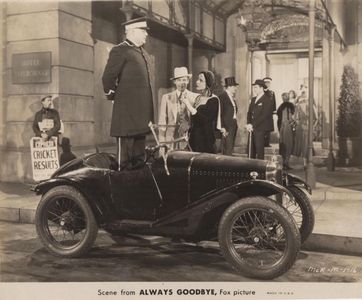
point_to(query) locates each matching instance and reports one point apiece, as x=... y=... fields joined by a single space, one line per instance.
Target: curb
x=315 y=243
x=333 y=244
x=335 y=194
x=17 y=215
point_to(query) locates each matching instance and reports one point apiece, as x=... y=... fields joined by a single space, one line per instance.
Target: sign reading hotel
x=32 y=67
x=44 y=157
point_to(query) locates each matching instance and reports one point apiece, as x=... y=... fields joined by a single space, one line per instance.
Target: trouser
x=229 y=141
x=267 y=138
x=257 y=144
x=129 y=148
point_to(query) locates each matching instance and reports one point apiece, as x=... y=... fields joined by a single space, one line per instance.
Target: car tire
x=259 y=240
x=63 y=212
x=306 y=225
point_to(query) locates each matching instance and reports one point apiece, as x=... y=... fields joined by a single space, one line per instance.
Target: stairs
x=319 y=158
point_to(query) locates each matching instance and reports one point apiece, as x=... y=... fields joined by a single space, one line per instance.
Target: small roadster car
x=258 y=214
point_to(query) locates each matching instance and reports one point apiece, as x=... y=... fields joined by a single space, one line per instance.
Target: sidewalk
x=337 y=202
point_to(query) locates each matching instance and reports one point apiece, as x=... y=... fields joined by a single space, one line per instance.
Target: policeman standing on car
x=127 y=81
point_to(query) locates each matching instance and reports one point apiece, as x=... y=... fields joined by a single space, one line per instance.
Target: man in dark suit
x=271 y=95
x=127 y=81
x=228 y=115
x=258 y=119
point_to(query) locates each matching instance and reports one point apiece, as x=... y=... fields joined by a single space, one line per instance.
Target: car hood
x=199 y=163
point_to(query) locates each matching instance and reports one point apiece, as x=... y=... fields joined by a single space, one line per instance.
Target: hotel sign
x=31 y=67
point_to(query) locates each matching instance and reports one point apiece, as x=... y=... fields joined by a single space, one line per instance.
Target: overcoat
x=227 y=112
x=127 y=72
x=259 y=113
x=51 y=114
x=228 y=122
x=273 y=108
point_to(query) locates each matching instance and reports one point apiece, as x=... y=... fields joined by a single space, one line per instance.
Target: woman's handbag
x=293 y=125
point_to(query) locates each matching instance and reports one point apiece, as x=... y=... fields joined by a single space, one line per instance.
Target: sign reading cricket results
x=44 y=157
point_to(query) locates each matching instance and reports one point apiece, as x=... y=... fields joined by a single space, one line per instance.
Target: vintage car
x=258 y=214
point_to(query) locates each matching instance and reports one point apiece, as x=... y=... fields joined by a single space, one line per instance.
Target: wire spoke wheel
x=259 y=238
x=65 y=223
x=301 y=209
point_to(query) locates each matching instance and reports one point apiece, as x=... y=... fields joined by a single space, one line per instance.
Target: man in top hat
x=127 y=81
x=229 y=110
x=271 y=95
x=46 y=121
x=258 y=119
x=173 y=111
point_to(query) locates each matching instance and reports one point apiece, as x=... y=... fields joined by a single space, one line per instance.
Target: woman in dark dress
x=205 y=115
x=286 y=128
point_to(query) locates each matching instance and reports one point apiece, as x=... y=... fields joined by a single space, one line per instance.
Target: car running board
x=129 y=224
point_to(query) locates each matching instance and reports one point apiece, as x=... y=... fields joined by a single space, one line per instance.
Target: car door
x=135 y=194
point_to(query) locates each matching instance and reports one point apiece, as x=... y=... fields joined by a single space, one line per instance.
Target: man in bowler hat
x=258 y=119
x=229 y=110
x=271 y=95
x=127 y=81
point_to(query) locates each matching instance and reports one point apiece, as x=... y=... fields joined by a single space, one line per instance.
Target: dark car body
x=236 y=201
x=198 y=188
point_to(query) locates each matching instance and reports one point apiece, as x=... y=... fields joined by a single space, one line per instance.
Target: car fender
x=203 y=213
x=98 y=207
x=293 y=180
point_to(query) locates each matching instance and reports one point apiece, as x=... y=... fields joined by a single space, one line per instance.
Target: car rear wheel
x=301 y=210
x=65 y=222
x=259 y=238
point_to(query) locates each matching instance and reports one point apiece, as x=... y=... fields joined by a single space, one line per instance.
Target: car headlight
x=254 y=175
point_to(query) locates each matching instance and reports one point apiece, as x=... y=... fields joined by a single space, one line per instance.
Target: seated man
x=46 y=122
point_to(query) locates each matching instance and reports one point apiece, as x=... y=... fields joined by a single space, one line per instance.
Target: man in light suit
x=258 y=119
x=228 y=115
x=174 y=117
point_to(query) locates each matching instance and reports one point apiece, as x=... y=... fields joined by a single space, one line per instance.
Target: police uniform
x=126 y=80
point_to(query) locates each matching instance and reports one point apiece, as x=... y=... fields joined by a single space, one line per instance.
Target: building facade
x=61 y=48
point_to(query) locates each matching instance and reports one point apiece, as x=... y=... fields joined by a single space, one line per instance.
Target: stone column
x=330 y=159
x=310 y=172
x=325 y=89
x=62 y=28
x=190 y=40
x=2 y=77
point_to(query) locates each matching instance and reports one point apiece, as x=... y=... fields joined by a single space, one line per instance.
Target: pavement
x=337 y=202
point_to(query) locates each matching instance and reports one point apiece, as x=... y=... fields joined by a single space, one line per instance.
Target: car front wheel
x=302 y=211
x=259 y=238
x=65 y=222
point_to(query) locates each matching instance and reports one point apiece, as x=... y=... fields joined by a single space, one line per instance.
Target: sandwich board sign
x=44 y=157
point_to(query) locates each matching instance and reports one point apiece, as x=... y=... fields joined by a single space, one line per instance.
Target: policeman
x=126 y=81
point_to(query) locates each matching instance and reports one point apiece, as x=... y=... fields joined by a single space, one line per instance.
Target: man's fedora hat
x=267 y=79
x=259 y=82
x=140 y=23
x=180 y=72
x=230 y=81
